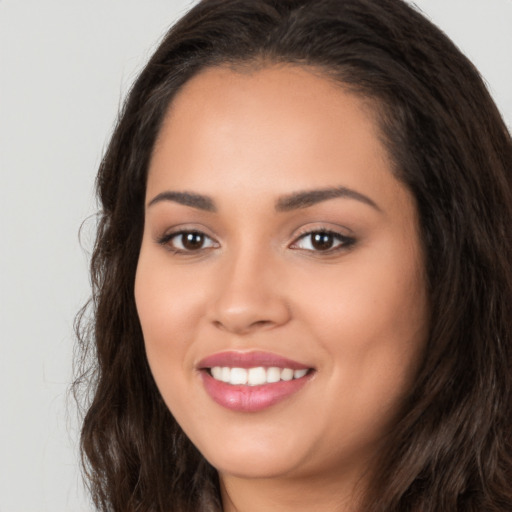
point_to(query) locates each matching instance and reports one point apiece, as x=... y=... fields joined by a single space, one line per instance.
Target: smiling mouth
x=252 y=381
x=256 y=376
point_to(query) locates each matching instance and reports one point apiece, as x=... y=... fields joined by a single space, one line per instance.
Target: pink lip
x=250 y=398
x=249 y=360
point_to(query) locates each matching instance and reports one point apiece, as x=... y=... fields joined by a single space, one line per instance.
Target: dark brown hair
x=451 y=448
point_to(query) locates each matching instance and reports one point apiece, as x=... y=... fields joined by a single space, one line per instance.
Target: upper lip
x=234 y=359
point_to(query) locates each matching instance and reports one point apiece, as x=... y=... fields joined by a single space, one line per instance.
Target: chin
x=254 y=460
x=259 y=466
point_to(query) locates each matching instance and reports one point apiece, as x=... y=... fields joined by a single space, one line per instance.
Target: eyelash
x=167 y=239
x=344 y=242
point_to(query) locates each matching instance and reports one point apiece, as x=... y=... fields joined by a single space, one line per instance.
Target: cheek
x=372 y=325
x=170 y=307
x=168 y=313
x=162 y=317
x=377 y=297
x=167 y=297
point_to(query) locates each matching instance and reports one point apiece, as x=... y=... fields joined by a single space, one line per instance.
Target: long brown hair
x=451 y=448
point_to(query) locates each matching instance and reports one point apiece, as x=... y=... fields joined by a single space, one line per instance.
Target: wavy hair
x=451 y=447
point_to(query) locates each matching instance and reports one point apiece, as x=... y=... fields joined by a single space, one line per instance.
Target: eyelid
x=342 y=241
x=345 y=241
x=169 y=235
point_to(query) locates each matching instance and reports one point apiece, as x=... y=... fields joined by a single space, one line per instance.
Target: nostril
x=250 y=326
x=261 y=323
x=248 y=313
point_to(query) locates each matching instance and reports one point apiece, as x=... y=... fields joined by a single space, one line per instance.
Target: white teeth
x=238 y=376
x=217 y=372
x=286 y=374
x=255 y=376
x=226 y=373
x=273 y=374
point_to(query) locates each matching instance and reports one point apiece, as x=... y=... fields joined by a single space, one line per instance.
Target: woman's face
x=280 y=284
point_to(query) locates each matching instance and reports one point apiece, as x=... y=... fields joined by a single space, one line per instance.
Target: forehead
x=272 y=130
x=272 y=95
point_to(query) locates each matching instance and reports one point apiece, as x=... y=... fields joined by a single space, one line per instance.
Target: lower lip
x=251 y=398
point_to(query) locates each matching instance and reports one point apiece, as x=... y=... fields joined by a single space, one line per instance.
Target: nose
x=249 y=296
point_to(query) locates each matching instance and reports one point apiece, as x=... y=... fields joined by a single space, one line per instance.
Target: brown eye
x=323 y=241
x=187 y=241
x=192 y=241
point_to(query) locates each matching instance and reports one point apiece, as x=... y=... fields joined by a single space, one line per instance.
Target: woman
x=302 y=281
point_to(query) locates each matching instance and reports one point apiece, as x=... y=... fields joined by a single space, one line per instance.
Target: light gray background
x=64 y=65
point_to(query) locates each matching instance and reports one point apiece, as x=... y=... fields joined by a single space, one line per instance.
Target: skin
x=356 y=313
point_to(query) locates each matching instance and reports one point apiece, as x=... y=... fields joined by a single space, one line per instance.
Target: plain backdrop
x=64 y=67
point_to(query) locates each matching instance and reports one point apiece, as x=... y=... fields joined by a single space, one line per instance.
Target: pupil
x=192 y=241
x=322 y=241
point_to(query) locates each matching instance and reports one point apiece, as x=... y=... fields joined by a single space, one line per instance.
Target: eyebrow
x=294 y=201
x=187 y=199
x=308 y=198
